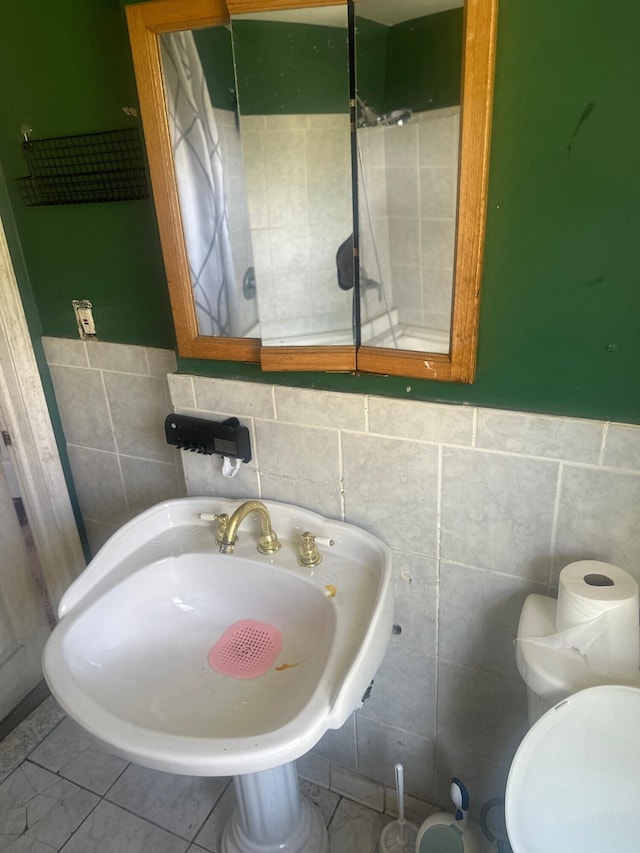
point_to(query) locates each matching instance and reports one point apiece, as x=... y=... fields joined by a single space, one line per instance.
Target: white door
x=23 y=413
x=24 y=626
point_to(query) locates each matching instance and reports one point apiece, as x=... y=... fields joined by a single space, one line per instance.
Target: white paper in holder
x=597 y=615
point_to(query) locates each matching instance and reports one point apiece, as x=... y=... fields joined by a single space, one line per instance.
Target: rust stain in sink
x=284 y=666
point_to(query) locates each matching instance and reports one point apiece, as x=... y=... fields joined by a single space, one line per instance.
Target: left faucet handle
x=222 y=519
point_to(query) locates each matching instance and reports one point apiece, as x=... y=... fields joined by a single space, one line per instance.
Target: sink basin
x=130 y=659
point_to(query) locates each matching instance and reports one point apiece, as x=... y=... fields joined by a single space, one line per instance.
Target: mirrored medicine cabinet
x=319 y=171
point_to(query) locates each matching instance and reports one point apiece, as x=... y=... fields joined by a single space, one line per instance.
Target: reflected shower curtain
x=199 y=174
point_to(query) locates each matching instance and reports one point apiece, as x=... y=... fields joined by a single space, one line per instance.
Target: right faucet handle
x=308 y=554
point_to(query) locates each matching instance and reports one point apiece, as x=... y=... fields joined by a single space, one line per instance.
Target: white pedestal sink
x=130 y=657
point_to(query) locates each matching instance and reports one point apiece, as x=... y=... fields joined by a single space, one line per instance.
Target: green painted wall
x=560 y=311
x=65 y=69
x=215 y=49
x=561 y=301
x=372 y=50
x=424 y=65
x=415 y=64
x=291 y=68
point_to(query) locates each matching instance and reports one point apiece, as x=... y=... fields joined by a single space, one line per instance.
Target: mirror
x=408 y=125
x=388 y=294
x=259 y=121
x=201 y=107
x=292 y=73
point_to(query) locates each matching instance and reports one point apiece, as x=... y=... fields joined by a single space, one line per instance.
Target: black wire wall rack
x=85 y=168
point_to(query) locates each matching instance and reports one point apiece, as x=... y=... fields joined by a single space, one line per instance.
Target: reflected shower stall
x=407 y=209
x=407 y=131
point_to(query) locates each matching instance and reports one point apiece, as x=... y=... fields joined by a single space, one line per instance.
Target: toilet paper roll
x=589 y=588
x=597 y=615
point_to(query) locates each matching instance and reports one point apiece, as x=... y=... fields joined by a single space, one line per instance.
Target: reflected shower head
x=369 y=118
x=396 y=118
x=366 y=116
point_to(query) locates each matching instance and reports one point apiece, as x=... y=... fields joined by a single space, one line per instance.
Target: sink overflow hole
x=247 y=649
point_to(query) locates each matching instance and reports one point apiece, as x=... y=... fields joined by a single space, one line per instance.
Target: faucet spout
x=268 y=542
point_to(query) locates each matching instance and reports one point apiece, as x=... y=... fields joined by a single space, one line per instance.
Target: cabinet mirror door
x=292 y=73
x=424 y=86
x=271 y=265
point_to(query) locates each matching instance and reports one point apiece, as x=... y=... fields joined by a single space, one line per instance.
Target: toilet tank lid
x=574 y=780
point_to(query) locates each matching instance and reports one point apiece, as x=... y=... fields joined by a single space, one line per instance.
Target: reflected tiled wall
x=298 y=173
x=479 y=506
x=410 y=181
x=113 y=400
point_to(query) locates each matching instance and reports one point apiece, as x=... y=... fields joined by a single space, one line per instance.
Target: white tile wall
x=112 y=400
x=480 y=508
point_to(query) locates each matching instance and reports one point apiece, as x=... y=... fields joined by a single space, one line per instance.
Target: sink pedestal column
x=272 y=815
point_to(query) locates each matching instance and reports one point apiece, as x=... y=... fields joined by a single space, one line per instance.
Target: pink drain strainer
x=247 y=649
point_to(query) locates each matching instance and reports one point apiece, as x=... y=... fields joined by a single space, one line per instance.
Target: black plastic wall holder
x=226 y=438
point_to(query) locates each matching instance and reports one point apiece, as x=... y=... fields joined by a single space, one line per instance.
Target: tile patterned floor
x=60 y=793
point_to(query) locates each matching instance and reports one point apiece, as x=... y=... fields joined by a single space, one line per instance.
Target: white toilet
x=574 y=783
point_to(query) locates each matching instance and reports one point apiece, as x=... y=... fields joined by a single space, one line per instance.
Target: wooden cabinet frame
x=148 y=20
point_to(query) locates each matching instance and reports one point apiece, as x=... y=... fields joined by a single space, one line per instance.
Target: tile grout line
x=104 y=797
x=341 y=485
x=603 y=443
x=439 y=487
x=554 y=526
x=434 y=771
x=210 y=813
x=82 y=822
x=122 y=455
x=115 y=441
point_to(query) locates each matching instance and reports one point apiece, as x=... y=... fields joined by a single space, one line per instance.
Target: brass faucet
x=268 y=543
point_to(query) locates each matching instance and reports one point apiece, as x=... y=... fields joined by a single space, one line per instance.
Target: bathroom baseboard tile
x=124 y=358
x=570 y=439
x=181 y=391
x=161 y=361
x=69 y=351
x=355 y=828
x=326 y=801
x=356 y=787
x=415 y=810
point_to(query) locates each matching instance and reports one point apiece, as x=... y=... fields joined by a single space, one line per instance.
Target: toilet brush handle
x=399 y=770
x=400 y=791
